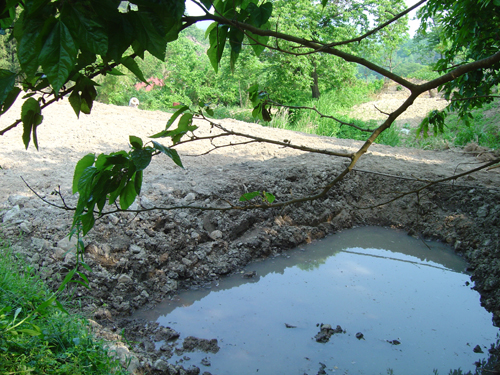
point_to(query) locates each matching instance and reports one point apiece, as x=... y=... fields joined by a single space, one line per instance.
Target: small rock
x=161 y=365
x=393 y=342
x=113 y=219
x=124 y=279
x=477 y=349
x=146 y=203
x=481 y=212
x=190 y=197
x=186 y=261
x=40 y=244
x=216 y=234
x=360 y=336
x=249 y=275
x=12 y=213
x=67 y=244
x=24 y=227
x=289 y=326
x=135 y=249
x=59 y=253
x=206 y=362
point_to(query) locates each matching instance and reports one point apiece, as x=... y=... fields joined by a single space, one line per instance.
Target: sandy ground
x=64 y=139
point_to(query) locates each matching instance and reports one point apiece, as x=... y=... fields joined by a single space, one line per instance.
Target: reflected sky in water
x=377 y=281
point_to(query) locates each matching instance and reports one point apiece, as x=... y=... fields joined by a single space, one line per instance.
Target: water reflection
x=382 y=283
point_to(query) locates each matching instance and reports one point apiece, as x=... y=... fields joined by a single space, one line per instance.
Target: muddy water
x=378 y=282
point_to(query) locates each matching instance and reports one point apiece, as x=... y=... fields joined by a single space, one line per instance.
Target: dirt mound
x=138 y=260
x=390 y=98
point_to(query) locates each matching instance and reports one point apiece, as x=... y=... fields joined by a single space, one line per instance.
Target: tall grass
x=43 y=341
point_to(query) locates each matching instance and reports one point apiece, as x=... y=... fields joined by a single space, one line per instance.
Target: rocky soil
x=138 y=260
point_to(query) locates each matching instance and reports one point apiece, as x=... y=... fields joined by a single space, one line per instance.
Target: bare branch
x=227 y=132
x=378 y=28
x=321 y=115
x=426 y=186
x=475 y=97
x=384 y=113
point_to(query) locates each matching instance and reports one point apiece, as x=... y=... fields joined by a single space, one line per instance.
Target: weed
x=42 y=340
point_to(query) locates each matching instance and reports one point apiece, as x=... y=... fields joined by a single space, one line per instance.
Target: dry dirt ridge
x=139 y=260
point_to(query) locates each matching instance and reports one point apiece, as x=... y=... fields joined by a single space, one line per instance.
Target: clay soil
x=138 y=260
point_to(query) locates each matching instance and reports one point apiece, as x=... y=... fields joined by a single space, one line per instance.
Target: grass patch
x=46 y=341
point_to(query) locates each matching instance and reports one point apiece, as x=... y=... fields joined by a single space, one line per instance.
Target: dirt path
x=138 y=260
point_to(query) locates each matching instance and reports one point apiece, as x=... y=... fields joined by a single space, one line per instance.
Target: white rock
x=40 y=244
x=25 y=228
x=59 y=253
x=190 y=197
x=216 y=234
x=124 y=279
x=68 y=244
x=12 y=213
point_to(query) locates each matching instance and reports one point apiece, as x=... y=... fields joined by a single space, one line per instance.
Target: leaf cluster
x=117 y=176
x=469 y=30
x=65 y=43
x=244 y=11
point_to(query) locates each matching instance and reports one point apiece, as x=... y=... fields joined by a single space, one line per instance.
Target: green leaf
x=115 y=72
x=258 y=43
x=29 y=44
x=270 y=198
x=136 y=142
x=127 y=195
x=76 y=102
x=116 y=193
x=131 y=65
x=11 y=98
x=30 y=332
x=138 y=181
x=58 y=55
x=31 y=118
x=171 y=153
x=259 y=15
x=85 y=162
x=88 y=96
x=61 y=307
x=91 y=34
x=88 y=221
x=248 y=196
x=85 y=182
x=171 y=120
x=43 y=306
x=141 y=158
x=236 y=37
x=149 y=33
x=217 y=43
x=66 y=280
x=7 y=81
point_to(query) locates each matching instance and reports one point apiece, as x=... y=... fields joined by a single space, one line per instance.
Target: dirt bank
x=138 y=260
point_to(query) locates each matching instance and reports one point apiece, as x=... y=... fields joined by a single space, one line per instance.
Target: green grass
x=43 y=341
x=482 y=129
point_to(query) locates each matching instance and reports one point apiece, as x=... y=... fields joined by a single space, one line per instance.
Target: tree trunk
x=315 y=86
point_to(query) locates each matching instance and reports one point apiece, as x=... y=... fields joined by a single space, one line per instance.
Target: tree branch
x=378 y=28
x=416 y=191
x=321 y=115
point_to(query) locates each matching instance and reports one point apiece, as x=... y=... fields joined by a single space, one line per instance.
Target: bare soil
x=138 y=260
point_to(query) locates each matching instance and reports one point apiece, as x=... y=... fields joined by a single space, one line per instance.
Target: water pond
x=401 y=305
